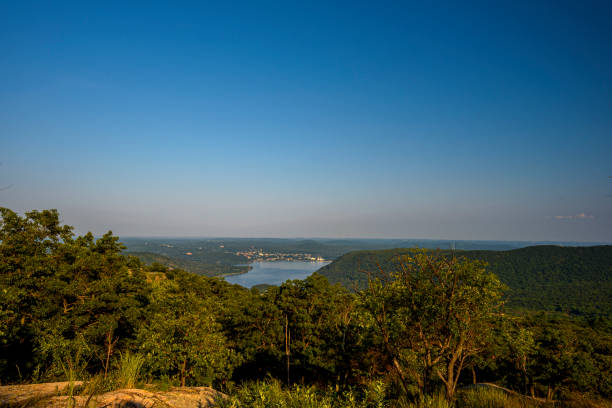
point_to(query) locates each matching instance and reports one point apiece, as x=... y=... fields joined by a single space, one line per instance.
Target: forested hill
x=576 y=280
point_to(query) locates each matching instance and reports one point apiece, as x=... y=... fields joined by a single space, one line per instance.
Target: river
x=275 y=273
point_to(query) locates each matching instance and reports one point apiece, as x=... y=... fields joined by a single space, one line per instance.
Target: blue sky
x=458 y=120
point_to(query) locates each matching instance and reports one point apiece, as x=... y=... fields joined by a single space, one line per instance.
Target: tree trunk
x=450 y=381
x=401 y=375
x=183 y=372
x=524 y=370
x=424 y=384
x=455 y=365
x=109 y=351
x=474 y=376
x=453 y=371
x=449 y=386
x=287 y=349
x=549 y=394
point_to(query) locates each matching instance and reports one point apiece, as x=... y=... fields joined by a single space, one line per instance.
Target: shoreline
x=250 y=267
x=223 y=275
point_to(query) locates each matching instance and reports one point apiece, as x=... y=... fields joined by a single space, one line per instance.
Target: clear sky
x=458 y=120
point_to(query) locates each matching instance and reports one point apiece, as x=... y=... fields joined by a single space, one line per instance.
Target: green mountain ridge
x=574 y=280
x=188 y=263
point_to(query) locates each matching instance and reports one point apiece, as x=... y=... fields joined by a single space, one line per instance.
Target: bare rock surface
x=46 y=396
x=20 y=394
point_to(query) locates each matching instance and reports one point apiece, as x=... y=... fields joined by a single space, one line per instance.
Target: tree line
x=76 y=306
x=571 y=280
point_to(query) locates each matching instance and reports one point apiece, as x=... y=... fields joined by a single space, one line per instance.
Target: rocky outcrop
x=25 y=394
x=49 y=396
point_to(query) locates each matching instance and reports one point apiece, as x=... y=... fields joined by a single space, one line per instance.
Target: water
x=275 y=273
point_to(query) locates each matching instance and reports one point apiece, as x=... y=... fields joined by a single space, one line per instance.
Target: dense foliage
x=75 y=307
x=434 y=315
x=574 y=280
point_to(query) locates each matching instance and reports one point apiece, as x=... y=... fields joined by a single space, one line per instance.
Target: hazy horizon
x=330 y=238
x=446 y=121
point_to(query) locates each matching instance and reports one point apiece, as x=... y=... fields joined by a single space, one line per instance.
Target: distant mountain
x=575 y=280
x=149 y=258
x=188 y=263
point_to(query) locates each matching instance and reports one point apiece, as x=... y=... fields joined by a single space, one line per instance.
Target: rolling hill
x=574 y=280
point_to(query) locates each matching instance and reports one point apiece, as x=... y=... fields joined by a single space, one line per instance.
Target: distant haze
x=487 y=120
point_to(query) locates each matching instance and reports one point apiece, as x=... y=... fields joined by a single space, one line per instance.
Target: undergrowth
x=271 y=394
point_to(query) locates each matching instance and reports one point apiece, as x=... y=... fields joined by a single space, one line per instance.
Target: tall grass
x=437 y=400
x=484 y=397
x=73 y=366
x=271 y=394
x=128 y=369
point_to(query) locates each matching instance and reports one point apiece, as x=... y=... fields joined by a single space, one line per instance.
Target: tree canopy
x=76 y=306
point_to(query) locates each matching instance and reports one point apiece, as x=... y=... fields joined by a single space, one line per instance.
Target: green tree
x=181 y=337
x=26 y=247
x=97 y=296
x=63 y=296
x=569 y=356
x=253 y=326
x=315 y=317
x=433 y=315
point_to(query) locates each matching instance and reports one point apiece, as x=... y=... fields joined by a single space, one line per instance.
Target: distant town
x=255 y=255
x=259 y=254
